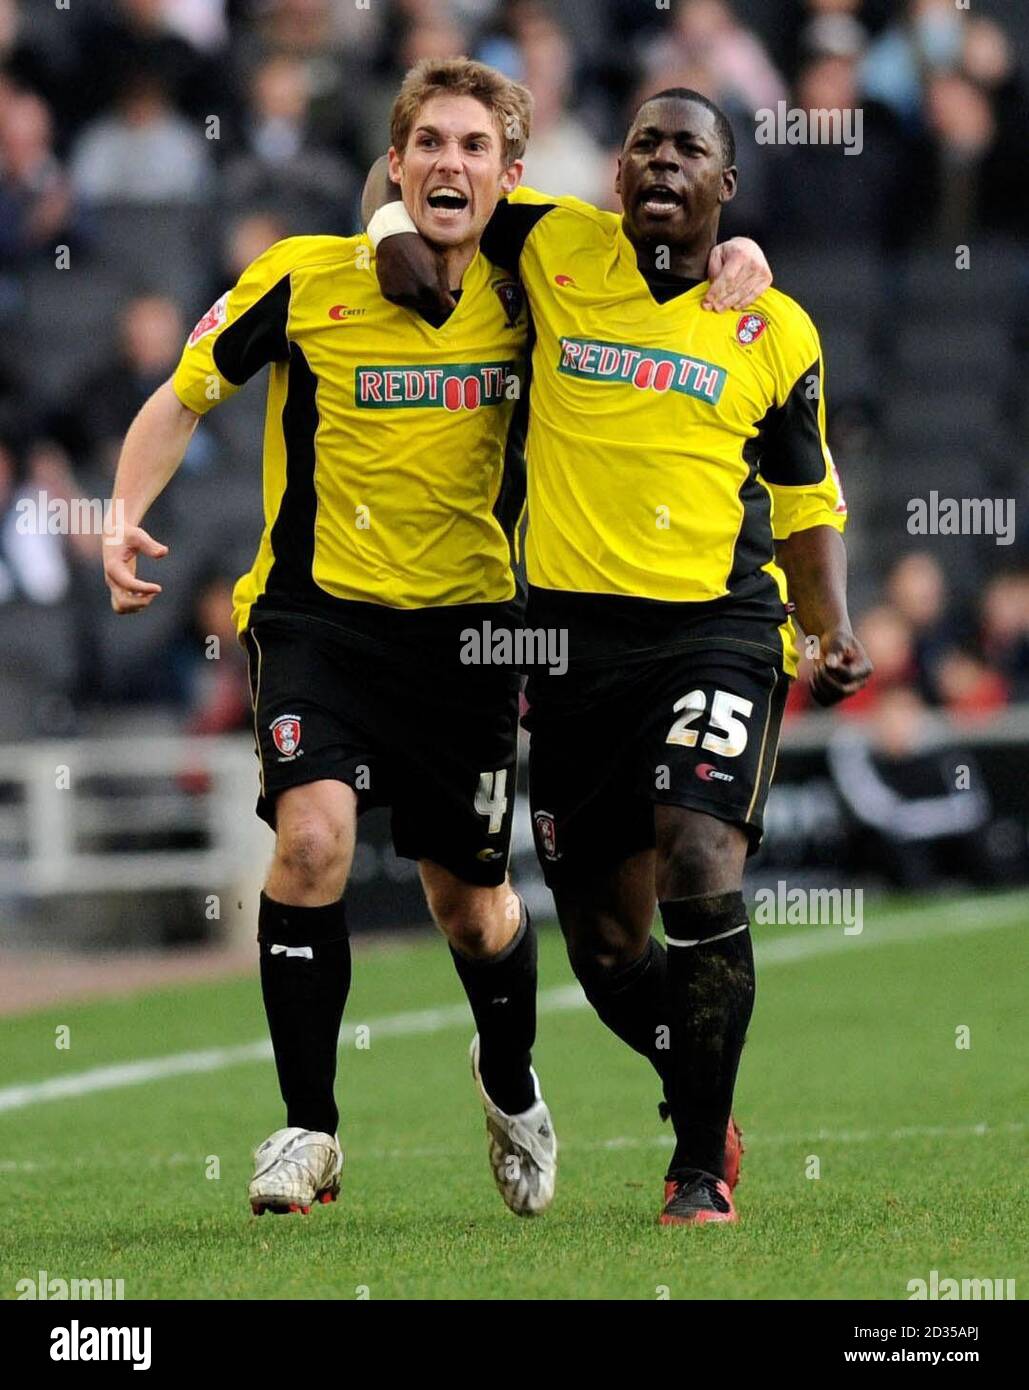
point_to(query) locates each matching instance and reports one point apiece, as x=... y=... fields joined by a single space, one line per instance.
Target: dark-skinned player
x=683 y=509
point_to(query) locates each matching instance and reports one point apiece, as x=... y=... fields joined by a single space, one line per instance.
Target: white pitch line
x=112 y=1078
x=754 y=1139
x=943 y=919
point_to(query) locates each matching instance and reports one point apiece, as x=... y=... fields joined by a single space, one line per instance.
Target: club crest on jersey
x=749 y=329
x=512 y=299
x=213 y=319
x=546 y=833
x=285 y=732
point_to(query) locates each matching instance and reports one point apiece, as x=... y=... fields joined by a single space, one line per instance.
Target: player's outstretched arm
x=815 y=564
x=154 y=447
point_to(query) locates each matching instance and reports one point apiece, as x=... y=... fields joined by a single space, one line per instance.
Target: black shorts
x=698 y=730
x=438 y=747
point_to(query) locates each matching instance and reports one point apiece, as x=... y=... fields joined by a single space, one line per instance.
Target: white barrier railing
x=56 y=797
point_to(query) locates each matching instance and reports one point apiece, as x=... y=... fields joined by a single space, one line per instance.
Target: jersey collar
x=471 y=282
x=627 y=259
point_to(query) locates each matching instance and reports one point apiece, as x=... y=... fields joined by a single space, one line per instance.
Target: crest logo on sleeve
x=749 y=328
x=285 y=732
x=512 y=300
x=212 y=320
x=546 y=833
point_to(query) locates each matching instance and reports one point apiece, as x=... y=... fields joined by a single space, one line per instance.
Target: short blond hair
x=509 y=103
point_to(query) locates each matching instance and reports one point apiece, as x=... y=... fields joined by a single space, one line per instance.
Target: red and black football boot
x=734 y=1149
x=694 y=1197
x=734 y=1152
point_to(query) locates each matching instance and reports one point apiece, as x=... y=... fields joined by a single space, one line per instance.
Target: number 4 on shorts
x=490 y=799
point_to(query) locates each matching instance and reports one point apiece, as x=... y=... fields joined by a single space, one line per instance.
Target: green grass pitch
x=851 y=1061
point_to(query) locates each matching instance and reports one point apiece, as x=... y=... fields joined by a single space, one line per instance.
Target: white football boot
x=522 y=1149
x=294 y=1168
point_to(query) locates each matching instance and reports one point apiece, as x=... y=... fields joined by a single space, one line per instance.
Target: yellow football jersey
x=392 y=460
x=668 y=446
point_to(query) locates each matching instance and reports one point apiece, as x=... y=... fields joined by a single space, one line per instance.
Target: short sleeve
x=513 y=219
x=795 y=460
x=241 y=333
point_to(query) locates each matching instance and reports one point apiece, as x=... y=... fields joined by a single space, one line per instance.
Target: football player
x=392 y=485
x=682 y=506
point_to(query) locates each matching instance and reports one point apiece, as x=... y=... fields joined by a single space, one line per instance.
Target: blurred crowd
x=111 y=99
x=250 y=120
x=933 y=651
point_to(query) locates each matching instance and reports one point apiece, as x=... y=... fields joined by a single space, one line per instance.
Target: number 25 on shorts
x=726 y=732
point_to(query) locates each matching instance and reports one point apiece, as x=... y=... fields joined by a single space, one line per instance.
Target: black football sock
x=631 y=1001
x=305 y=979
x=710 y=1000
x=502 y=992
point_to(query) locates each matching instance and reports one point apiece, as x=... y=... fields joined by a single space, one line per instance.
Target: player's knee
x=595 y=962
x=474 y=922
x=697 y=854
x=471 y=936
x=599 y=944
x=311 y=851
